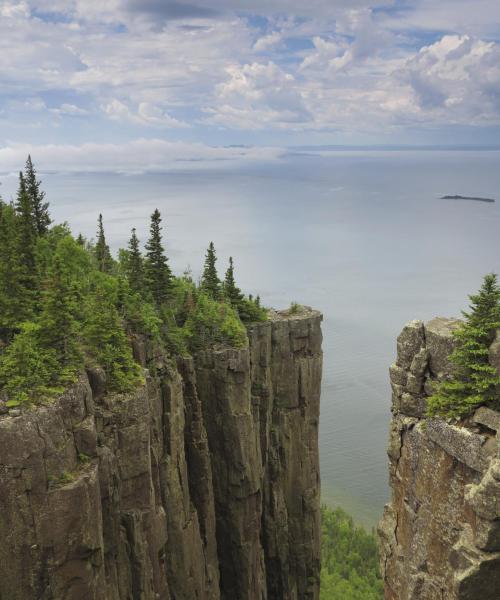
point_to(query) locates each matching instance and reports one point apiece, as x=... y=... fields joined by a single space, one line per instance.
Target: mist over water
x=362 y=236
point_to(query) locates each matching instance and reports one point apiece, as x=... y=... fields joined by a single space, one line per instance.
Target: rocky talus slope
x=203 y=484
x=440 y=535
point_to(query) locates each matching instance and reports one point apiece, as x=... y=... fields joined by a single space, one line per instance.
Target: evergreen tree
x=26 y=247
x=39 y=207
x=475 y=381
x=135 y=265
x=15 y=302
x=80 y=240
x=107 y=341
x=101 y=250
x=231 y=291
x=210 y=281
x=59 y=328
x=157 y=271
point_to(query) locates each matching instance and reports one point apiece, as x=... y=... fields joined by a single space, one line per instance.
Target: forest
x=67 y=304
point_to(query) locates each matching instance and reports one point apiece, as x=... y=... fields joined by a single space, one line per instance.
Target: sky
x=132 y=85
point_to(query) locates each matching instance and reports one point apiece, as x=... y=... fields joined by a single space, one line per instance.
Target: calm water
x=361 y=236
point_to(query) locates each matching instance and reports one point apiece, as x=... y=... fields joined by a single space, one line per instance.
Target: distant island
x=477 y=199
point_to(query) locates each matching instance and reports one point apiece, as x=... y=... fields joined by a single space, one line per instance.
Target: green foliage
x=135 y=265
x=28 y=370
x=101 y=249
x=295 y=309
x=65 y=303
x=158 y=275
x=475 y=382
x=210 y=282
x=349 y=555
x=249 y=310
x=40 y=209
x=105 y=336
x=213 y=323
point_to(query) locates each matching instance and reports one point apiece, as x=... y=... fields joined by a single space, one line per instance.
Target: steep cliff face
x=204 y=483
x=440 y=535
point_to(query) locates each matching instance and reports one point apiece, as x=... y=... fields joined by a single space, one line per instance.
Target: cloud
x=142 y=155
x=322 y=66
x=145 y=114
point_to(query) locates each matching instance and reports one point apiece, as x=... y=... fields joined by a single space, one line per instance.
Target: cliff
x=440 y=534
x=204 y=483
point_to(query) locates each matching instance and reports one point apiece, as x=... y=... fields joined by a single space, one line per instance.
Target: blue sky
x=96 y=84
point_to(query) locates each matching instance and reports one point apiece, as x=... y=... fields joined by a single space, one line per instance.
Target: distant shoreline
x=476 y=198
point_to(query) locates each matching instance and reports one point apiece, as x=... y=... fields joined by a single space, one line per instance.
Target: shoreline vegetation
x=474 y=198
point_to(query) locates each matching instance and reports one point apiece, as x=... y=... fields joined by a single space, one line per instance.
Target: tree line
x=66 y=303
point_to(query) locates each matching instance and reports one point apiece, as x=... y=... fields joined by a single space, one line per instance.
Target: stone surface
x=203 y=484
x=440 y=534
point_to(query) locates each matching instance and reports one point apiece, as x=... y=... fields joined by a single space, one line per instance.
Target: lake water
x=361 y=236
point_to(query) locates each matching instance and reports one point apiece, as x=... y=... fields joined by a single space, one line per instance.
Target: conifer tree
x=59 y=329
x=101 y=250
x=15 y=301
x=39 y=207
x=135 y=264
x=231 y=291
x=210 y=281
x=25 y=246
x=157 y=271
x=475 y=381
x=107 y=341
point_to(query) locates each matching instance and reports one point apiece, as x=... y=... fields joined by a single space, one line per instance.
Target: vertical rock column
x=440 y=534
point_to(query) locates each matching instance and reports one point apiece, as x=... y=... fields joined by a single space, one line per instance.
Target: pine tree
x=101 y=250
x=475 y=382
x=39 y=207
x=135 y=264
x=157 y=271
x=210 y=281
x=231 y=291
x=59 y=329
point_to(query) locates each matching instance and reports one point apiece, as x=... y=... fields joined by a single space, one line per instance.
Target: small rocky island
x=475 y=198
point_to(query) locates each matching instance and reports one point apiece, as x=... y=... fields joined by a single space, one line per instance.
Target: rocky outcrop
x=204 y=483
x=440 y=535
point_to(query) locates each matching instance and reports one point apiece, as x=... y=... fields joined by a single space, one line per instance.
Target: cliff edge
x=440 y=534
x=203 y=483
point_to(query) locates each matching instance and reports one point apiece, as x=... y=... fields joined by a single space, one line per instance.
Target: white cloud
x=324 y=65
x=143 y=155
x=145 y=114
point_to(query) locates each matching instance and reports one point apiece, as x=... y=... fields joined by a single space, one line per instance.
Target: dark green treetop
x=135 y=264
x=101 y=249
x=210 y=281
x=231 y=291
x=59 y=329
x=37 y=196
x=474 y=382
x=157 y=271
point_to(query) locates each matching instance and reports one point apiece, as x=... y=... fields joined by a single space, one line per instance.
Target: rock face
x=440 y=535
x=203 y=484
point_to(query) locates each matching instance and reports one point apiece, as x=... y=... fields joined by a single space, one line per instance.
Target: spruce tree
x=231 y=291
x=210 y=281
x=107 y=341
x=157 y=271
x=59 y=329
x=101 y=250
x=26 y=239
x=474 y=382
x=15 y=300
x=39 y=207
x=135 y=264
